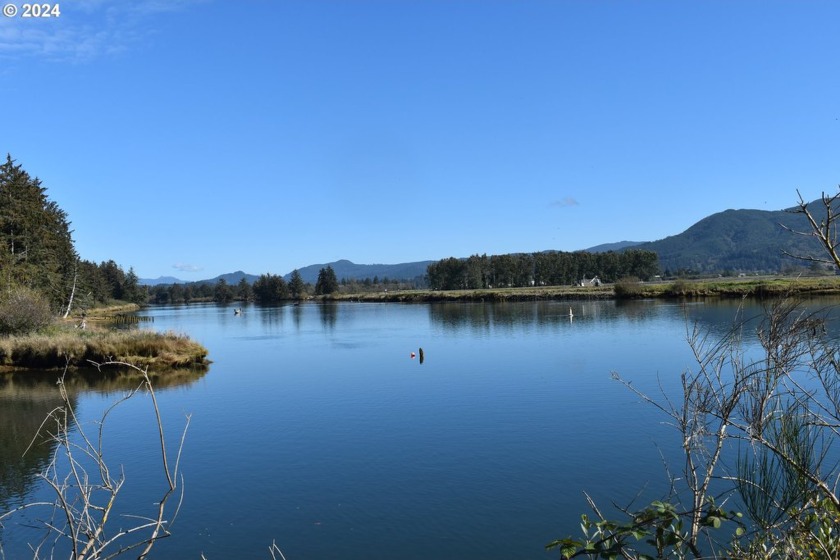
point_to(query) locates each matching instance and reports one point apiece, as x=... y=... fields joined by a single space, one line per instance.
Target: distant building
x=595 y=281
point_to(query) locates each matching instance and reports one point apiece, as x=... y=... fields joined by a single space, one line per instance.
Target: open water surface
x=316 y=429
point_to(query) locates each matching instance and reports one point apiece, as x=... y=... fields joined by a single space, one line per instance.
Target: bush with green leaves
x=628 y=287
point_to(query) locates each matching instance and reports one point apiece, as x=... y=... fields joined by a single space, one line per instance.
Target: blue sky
x=194 y=138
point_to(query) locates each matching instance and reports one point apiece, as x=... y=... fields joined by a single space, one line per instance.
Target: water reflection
x=319 y=428
x=716 y=317
x=28 y=397
x=23 y=407
x=329 y=314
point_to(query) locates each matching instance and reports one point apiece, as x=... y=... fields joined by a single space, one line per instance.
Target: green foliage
x=680 y=288
x=657 y=529
x=23 y=310
x=628 y=287
x=549 y=268
x=327 y=282
x=270 y=288
x=222 y=292
x=297 y=287
x=36 y=247
x=747 y=240
x=244 y=291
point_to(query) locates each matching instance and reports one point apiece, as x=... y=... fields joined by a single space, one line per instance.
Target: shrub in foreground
x=23 y=310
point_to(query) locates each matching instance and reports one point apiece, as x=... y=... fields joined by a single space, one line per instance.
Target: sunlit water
x=316 y=429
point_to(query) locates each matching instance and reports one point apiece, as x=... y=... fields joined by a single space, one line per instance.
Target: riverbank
x=77 y=342
x=760 y=287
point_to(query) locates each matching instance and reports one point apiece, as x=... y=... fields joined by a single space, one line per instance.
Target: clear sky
x=193 y=138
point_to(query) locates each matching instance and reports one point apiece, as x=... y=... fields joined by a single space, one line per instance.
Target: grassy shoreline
x=65 y=344
x=720 y=287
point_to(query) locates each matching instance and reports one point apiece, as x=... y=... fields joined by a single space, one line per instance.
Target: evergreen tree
x=132 y=290
x=270 y=288
x=36 y=246
x=244 y=290
x=327 y=283
x=222 y=292
x=297 y=288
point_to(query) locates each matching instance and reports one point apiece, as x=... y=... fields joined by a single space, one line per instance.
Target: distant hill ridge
x=731 y=240
x=343 y=269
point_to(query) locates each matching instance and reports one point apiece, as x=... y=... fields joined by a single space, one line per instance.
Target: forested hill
x=729 y=241
x=738 y=241
x=352 y=271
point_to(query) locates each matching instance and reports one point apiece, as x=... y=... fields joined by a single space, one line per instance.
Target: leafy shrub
x=23 y=310
x=680 y=288
x=628 y=287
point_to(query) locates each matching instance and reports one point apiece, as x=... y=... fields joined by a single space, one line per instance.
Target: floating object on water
x=412 y=355
x=421 y=355
x=571 y=315
x=237 y=311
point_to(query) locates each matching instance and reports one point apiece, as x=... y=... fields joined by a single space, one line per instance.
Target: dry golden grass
x=63 y=345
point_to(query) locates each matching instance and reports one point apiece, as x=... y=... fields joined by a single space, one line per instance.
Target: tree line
x=38 y=257
x=548 y=268
x=267 y=289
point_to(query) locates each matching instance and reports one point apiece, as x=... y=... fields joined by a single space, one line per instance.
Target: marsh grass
x=760 y=287
x=489 y=294
x=62 y=345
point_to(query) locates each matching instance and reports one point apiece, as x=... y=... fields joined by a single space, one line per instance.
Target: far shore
x=85 y=338
x=759 y=287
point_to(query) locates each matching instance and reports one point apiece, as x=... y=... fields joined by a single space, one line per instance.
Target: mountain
x=739 y=240
x=159 y=280
x=353 y=271
x=342 y=268
x=732 y=240
x=618 y=246
x=233 y=278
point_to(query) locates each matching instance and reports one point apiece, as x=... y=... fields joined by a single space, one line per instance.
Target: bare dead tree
x=824 y=231
x=86 y=487
x=776 y=411
x=72 y=290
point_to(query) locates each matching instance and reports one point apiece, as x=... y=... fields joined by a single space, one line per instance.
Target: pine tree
x=297 y=288
x=327 y=283
x=36 y=245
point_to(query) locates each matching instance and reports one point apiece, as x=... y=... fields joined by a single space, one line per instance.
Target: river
x=318 y=427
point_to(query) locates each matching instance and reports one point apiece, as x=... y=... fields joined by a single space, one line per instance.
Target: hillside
x=618 y=246
x=353 y=271
x=738 y=241
x=343 y=269
x=728 y=241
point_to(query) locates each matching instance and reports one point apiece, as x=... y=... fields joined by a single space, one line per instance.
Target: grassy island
x=66 y=343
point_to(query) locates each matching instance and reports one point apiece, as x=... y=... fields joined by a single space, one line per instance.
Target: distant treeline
x=549 y=268
x=272 y=288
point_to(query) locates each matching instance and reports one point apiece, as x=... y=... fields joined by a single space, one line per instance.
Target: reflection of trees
x=482 y=316
x=27 y=397
x=272 y=316
x=297 y=312
x=329 y=314
x=713 y=315
x=22 y=409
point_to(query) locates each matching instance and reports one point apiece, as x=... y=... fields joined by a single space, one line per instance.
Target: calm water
x=315 y=428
